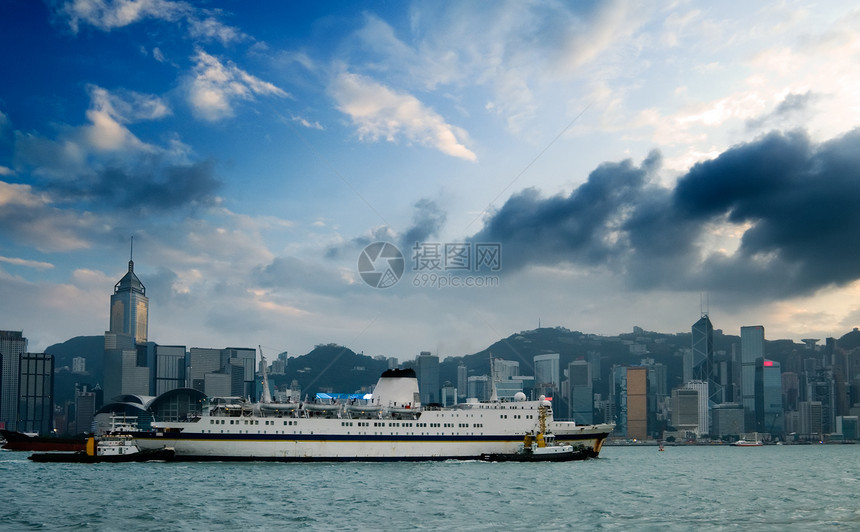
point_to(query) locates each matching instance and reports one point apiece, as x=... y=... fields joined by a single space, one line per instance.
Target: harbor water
x=627 y=488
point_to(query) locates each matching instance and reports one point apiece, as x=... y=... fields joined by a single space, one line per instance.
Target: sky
x=399 y=177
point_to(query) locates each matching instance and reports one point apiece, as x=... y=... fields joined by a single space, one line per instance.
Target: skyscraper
x=703 y=348
x=581 y=392
x=428 y=377
x=637 y=402
x=129 y=307
x=768 y=384
x=36 y=393
x=125 y=366
x=12 y=346
x=752 y=348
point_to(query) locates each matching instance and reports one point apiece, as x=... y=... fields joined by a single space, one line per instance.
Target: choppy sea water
x=627 y=488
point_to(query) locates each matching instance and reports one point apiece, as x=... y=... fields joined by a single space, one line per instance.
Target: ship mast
x=267 y=396
x=493 y=396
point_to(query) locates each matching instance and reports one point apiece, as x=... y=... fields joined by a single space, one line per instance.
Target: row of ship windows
x=360 y=423
x=363 y=433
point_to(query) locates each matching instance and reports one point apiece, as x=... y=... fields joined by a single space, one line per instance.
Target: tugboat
x=115 y=446
x=541 y=447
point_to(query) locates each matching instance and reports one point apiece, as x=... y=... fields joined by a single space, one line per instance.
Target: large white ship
x=390 y=426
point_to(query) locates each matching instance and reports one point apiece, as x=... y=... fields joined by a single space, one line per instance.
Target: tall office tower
x=790 y=391
x=637 y=402
x=581 y=392
x=428 y=377
x=169 y=368
x=822 y=389
x=12 y=346
x=202 y=361
x=547 y=373
x=703 y=348
x=242 y=361
x=811 y=427
x=618 y=398
x=769 y=412
x=36 y=393
x=449 y=394
x=462 y=381
x=85 y=410
x=125 y=369
x=704 y=425
x=129 y=307
x=478 y=387
x=752 y=348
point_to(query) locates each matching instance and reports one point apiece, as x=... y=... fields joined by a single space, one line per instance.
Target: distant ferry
x=747 y=443
x=390 y=426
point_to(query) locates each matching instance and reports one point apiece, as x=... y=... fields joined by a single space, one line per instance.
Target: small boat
x=661 y=446
x=747 y=443
x=109 y=448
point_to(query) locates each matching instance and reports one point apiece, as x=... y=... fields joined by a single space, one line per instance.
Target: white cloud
x=106 y=134
x=210 y=29
x=109 y=14
x=214 y=86
x=34 y=264
x=379 y=111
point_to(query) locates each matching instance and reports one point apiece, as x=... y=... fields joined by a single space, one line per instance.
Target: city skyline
x=624 y=159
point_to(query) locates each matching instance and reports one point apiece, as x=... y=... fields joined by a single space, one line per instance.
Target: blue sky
x=627 y=158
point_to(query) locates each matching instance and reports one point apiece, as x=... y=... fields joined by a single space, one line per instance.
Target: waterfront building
x=428 y=377
x=169 y=368
x=685 y=410
x=581 y=393
x=727 y=419
x=36 y=393
x=810 y=420
x=821 y=388
x=222 y=372
x=769 y=412
x=752 y=349
x=637 y=402
x=847 y=427
x=13 y=344
x=86 y=404
x=703 y=426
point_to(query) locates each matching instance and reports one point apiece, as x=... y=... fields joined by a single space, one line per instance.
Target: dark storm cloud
x=582 y=227
x=798 y=201
x=426 y=223
x=143 y=190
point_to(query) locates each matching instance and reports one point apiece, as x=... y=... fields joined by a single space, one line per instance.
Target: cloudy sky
x=620 y=162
